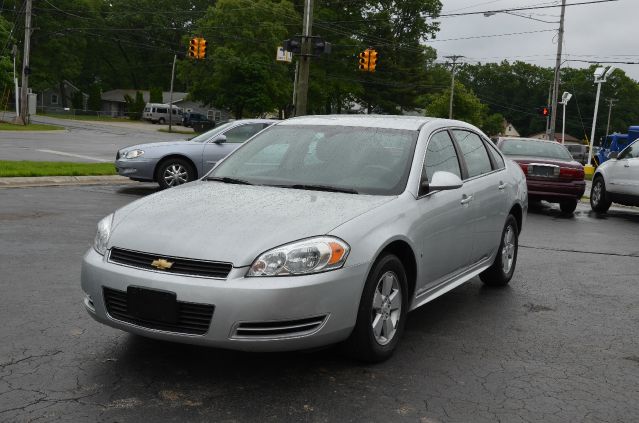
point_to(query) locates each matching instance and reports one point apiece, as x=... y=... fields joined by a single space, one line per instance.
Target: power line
x=515 y=9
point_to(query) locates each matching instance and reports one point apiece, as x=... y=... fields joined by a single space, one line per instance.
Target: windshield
x=549 y=150
x=351 y=159
x=209 y=134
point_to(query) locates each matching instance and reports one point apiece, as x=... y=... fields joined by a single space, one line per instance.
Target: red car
x=551 y=172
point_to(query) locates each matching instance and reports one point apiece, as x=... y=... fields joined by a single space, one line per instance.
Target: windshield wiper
x=319 y=188
x=228 y=180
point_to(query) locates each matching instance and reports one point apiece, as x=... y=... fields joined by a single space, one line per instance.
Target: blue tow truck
x=615 y=142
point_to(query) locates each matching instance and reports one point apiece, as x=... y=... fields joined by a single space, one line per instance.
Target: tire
x=174 y=172
x=161 y=121
x=503 y=268
x=599 y=201
x=387 y=279
x=568 y=206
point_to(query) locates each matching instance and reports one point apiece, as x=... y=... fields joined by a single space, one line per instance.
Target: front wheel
x=598 y=199
x=174 y=172
x=382 y=312
x=502 y=269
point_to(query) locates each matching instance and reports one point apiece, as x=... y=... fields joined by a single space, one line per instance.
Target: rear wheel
x=598 y=198
x=174 y=172
x=382 y=312
x=500 y=273
x=162 y=121
x=568 y=206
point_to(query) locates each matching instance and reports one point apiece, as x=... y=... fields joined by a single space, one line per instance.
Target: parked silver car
x=173 y=163
x=316 y=231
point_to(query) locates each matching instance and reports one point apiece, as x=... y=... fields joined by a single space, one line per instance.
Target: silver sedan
x=318 y=230
x=177 y=162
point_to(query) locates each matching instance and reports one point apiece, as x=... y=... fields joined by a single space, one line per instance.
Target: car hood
x=209 y=220
x=159 y=144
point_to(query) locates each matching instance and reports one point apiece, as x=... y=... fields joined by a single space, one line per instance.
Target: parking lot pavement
x=558 y=345
x=81 y=141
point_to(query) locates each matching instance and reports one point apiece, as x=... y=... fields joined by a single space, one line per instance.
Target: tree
x=135 y=107
x=94 y=102
x=466 y=107
x=6 y=66
x=241 y=74
x=155 y=95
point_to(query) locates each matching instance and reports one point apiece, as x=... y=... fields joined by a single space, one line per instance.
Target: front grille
x=192 y=318
x=279 y=329
x=181 y=266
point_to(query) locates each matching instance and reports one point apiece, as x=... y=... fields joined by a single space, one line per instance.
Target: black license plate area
x=543 y=171
x=152 y=305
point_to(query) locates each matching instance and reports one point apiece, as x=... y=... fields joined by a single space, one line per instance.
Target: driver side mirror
x=220 y=139
x=613 y=154
x=442 y=181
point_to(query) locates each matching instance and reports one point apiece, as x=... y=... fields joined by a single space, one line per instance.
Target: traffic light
x=294 y=45
x=364 y=60
x=372 y=64
x=194 y=47
x=543 y=111
x=202 y=49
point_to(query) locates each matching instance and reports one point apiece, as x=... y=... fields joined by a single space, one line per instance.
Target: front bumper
x=555 y=191
x=238 y=300
x=138 y=169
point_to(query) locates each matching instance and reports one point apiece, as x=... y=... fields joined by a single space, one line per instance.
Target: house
x=57 y=99
x=509 y=130
x=113 y=103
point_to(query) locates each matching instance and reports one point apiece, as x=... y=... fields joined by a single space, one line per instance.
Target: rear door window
x=474 y=152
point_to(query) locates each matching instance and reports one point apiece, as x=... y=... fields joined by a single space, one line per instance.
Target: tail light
x=523 y=167
x=571 y=173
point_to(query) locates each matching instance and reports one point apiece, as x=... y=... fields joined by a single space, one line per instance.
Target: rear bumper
x=555 y=191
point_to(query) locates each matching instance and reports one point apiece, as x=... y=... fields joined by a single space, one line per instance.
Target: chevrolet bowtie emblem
x=162 y=264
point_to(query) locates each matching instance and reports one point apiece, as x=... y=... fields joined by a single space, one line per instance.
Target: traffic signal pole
x=304 y=61
x=555 y=90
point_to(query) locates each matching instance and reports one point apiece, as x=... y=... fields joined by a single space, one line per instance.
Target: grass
x=87 y=117
x=179 y=131
x=6 y=126
x=27 y=168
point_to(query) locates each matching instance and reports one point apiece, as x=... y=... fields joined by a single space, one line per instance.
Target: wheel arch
x=518 y=213
x=173 y=156
x=406 y=255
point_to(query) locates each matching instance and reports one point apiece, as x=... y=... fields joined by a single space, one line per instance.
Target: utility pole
x=304 y=61
x=24 y=92
x=560 y=41
x=611 y=102
x=171 y=93
x=548 y=116
x=452 y=83
x=14 y=51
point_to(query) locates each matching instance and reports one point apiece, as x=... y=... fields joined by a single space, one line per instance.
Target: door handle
x=501 y=185
x=466 y=199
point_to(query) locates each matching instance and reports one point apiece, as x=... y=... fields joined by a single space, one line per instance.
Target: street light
x=565 y=98
x=601 y=74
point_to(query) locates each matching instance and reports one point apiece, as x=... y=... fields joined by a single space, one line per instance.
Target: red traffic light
x=544 y=111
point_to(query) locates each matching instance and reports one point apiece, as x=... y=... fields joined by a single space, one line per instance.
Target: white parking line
x=79 y=156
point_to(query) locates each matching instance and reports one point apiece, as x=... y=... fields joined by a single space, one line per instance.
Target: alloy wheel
x=508 y=249
x=175 y=174
x=596 y=193
x=387 y=308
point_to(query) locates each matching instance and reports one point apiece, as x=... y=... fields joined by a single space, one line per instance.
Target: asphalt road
x=560 y=344
x=81 y=141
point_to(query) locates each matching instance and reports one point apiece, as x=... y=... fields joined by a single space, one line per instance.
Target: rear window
x=529 y=148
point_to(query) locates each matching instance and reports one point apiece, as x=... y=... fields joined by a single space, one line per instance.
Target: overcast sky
x=604 y=31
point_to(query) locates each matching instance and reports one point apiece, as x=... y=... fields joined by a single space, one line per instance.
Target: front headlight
x=133 y=154
x=103 y=234
x=311 y=255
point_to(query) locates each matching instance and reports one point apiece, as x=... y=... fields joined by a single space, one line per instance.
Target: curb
x=50 y=181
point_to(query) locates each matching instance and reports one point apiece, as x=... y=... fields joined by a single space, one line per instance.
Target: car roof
x=527 y=140
x=371 y=121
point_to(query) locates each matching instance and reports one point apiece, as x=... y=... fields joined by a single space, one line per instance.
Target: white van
x=159 y=113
